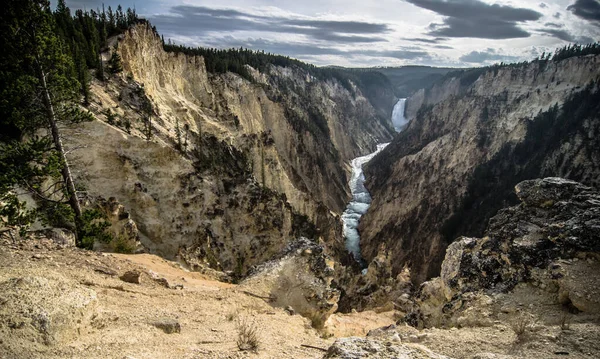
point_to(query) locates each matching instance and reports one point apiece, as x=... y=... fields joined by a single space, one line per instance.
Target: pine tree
x=38 y=88
x=114 y=63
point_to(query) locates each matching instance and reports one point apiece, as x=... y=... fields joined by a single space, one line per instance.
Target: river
x=361 y=199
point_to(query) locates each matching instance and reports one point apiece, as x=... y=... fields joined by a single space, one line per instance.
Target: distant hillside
x=408 y=79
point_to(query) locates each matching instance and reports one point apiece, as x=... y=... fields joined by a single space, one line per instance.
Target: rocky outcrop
x=455 y=165
x=356 y=348
x=300 y=278
x=557 y=219
x=378 y=288
x=540 y=241
x=124 y=231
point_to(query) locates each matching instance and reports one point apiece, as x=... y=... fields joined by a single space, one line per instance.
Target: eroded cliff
x=217 y=170
x=470 y=142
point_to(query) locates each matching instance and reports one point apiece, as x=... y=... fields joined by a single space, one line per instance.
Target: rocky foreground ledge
x=547 y=240
x=534 y=276
x=530 y=288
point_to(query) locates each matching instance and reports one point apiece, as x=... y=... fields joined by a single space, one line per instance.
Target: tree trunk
x=66 y=172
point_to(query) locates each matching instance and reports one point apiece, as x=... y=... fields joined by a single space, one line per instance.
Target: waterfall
x=398 y=118
x=361 y=199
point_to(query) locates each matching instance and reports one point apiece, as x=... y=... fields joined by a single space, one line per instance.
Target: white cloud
x=337 y=32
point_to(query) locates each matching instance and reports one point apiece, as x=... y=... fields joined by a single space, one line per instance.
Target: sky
x=366 y=33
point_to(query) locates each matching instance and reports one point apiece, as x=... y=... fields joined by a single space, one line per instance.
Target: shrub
x=565 y=321
x=247 y=339
x=94 y=228
x=521 y=326
x=122 y=245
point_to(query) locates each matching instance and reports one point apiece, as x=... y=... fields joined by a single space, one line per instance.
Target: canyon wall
x=471 y=139
x=233 y=169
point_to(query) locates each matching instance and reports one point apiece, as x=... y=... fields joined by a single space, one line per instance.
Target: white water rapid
x=361 y=199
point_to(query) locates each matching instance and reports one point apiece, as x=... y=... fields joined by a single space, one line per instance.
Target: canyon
x=318 y=207
x=471 y=138
x=255 y=171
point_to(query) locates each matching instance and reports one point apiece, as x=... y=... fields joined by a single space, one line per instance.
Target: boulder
x=132 y=276
x=557 y=219
x=62 y=237
x=299 y=279
x=358 y=348
x=167 y=325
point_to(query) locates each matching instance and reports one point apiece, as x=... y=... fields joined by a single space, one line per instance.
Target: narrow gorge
x=361 y=199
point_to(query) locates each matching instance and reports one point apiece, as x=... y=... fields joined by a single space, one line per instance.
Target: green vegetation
x=114 y=63
x=86 y=33
x=122 y=245
x=575 y=50
x=39 y=90
x=94 y=228
x=236 y=60
x=44 y=77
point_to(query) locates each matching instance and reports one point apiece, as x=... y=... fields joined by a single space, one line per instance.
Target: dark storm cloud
x=200 y=20
x=566 y=36
x=586 y=9
x=483 y=56
x=474 y=18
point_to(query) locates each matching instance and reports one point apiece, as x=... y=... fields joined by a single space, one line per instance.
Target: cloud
x=436 y=40
x=474 y=18
x=350 y=27
x=400 y=54
x=201 y=20
x=480 y=57
x=553 y=24
x=566 y=36
x=543 y=5
x=294 y=49
x=586 y=9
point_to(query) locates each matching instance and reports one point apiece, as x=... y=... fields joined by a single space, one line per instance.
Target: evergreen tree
x=114 y=63
x=38 y=88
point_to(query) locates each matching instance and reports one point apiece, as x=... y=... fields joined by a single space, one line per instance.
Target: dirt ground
x=89 y=312
x=120 y=323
